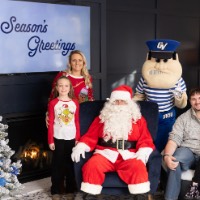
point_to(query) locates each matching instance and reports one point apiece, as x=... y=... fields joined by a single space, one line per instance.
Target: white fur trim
x=126 y=154
x=120 y=95
x=91 y=188
x=139 y=188
x=187 y=175
x=112 y=155
x=109 y=154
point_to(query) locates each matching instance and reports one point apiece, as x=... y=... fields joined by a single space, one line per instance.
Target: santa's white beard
x=118 y=120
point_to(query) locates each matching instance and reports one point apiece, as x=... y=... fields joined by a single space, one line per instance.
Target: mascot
x=161 y=82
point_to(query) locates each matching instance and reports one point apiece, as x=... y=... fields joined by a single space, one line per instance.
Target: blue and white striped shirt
x=163 y=97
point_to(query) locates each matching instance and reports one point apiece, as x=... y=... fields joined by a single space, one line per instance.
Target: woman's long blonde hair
x=84 y=71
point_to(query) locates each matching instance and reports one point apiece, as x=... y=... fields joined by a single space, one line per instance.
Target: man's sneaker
x=193 y=192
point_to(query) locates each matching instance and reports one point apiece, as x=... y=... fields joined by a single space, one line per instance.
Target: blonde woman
x=78 y=75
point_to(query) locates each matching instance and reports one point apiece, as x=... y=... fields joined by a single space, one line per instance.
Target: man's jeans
x=186 y=159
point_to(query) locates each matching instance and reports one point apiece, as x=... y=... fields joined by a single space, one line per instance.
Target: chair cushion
x=187 y=175
x=112 y=180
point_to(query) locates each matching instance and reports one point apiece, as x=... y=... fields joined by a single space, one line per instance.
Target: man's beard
x=196 y=110
x=118 y=120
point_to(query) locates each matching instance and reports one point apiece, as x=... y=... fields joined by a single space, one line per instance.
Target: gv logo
x=161 y=45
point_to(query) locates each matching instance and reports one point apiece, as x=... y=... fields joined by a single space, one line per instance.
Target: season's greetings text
x=36 y=44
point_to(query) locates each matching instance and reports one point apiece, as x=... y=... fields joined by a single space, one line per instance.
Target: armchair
x=113 y=185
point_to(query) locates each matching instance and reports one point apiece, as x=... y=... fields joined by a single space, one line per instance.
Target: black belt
x=119 y=144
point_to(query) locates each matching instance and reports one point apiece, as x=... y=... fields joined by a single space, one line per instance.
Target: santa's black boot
x=91 y=197
x=140 y=196
x=87 y=196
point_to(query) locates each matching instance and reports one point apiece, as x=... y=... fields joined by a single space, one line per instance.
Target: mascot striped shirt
x=163 y=97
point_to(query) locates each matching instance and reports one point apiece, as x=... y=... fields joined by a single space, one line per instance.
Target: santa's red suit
x=129 y=163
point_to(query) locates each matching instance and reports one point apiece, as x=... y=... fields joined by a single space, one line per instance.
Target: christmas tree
x=9 y=184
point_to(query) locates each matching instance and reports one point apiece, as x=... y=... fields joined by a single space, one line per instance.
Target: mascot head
x=162 y=68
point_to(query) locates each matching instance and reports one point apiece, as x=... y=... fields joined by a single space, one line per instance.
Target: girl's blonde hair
x=71 y=91
x=84 y=71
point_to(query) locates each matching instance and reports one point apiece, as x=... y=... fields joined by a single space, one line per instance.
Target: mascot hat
x=123 y=92
x=162 y=48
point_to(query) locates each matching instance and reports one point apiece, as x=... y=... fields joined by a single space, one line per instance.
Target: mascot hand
x=177 y=93
x=78 y=151
x=139 y=97
x=182 y=102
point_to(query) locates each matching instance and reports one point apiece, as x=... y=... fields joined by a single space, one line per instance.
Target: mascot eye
x=157 y=60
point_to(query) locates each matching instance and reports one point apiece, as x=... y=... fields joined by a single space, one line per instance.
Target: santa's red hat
x=123 y=92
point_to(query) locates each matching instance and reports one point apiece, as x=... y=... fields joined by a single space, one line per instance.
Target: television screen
x=38 y=37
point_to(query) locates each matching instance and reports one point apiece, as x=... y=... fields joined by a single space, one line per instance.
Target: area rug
x=34 y=190
x=40 y=190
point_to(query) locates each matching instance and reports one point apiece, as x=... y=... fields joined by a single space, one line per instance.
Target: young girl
x=78 y=75
x=63 y=132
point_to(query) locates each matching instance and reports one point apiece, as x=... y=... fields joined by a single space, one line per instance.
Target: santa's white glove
x=143 y=154
x=78 y=151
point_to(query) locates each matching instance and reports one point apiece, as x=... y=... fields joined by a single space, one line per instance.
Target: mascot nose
x=160 y=65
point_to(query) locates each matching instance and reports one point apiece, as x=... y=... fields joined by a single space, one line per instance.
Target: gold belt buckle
x=120 y=144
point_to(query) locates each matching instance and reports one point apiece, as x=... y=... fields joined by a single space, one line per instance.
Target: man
x=122 y=143
x=183 y=149
x=161 y=82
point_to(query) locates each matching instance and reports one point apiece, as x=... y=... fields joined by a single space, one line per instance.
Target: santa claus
x=121 y=142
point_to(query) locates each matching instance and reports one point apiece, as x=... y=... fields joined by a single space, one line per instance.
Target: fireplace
x=27 y=134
